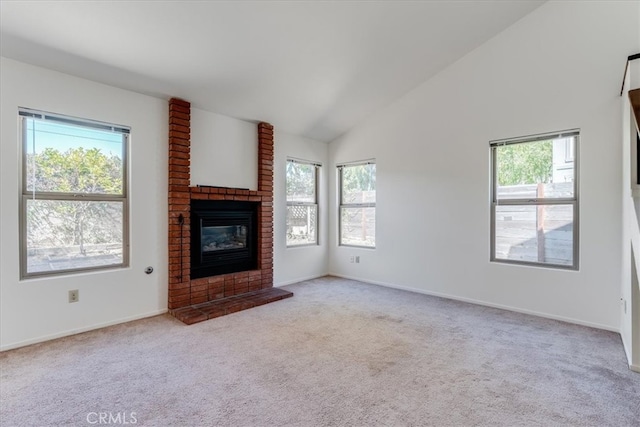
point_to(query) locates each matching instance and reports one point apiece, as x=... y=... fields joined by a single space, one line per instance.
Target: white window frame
x=315 y=203
x=343 y=205
x=24 y=114
x=570 y=201
x=569 y=152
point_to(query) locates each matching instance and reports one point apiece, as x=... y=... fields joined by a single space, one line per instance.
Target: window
x=302 y=202
x=534 y=209
x=358 y=204
x=74 y=194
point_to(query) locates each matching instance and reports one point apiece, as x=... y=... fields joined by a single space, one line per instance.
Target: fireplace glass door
x=224 y=237
x=221 y=238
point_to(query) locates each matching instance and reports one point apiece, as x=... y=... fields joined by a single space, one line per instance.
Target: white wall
x=37 y=309
x=630 y=294
x=627 y=217
x=299 y=263
x=224 y=151
x=558 y=68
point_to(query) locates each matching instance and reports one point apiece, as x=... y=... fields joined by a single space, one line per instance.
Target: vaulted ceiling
x=311 y=68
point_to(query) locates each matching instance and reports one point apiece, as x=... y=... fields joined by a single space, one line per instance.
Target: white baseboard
x=302 y=279
x=627 y=353
x=114 y=322
x=79 y=330
x=484 y=303
x=627 y=350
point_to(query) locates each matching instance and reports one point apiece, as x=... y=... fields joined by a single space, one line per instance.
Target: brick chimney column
x=265 y=189
x=179 y=202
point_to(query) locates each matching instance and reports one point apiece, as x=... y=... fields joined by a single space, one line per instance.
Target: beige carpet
x=339 y=353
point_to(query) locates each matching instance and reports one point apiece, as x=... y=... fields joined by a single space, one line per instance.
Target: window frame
x=25 y=194
x=553 y=201
x=342 y=205
x=317 y=167
x=569 y=152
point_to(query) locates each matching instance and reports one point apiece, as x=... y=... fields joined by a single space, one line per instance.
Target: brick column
x=265 y=189
x=179 y=202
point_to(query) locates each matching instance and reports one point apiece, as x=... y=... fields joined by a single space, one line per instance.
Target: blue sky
x=63 y=137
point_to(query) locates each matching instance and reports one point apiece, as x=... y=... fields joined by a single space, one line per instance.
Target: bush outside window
x=74 y=194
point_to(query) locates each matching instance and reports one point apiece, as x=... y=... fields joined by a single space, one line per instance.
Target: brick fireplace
x=196 y=300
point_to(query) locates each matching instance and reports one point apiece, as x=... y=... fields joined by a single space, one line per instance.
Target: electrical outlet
x=352 y=259
x=74 y=295
x=358 y=259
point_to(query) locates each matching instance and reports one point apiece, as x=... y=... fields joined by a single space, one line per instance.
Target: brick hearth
x=200 y=299
x=212 y=309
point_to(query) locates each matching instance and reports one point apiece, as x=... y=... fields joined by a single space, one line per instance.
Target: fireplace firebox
x=224 y=237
